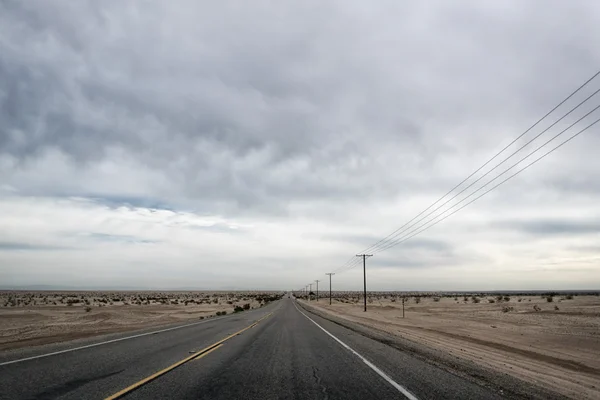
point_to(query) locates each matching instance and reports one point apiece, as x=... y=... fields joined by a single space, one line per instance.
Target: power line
x=494 y=187
x=387 y=238
x=499 y=175
x=407 y=227
x=349 y=266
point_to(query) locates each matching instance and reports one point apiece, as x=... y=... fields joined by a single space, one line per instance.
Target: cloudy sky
x=259 y=145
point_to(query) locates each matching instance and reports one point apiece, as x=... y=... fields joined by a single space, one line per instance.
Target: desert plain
x=549 y=339
x=30 y=318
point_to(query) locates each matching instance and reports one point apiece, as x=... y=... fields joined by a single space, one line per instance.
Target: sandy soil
x=555 y=345
x=35 y=318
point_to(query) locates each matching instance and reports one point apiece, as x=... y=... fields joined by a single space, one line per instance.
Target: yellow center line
x=197 y=355
x=207 y=352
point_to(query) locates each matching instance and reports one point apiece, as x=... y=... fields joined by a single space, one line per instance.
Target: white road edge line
x=105 y=342
x=379 y=372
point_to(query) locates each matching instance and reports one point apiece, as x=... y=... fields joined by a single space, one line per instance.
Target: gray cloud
x=550 y=227
x=237 y=121
x=105 y=237
x=317 y=118
x=19 y=246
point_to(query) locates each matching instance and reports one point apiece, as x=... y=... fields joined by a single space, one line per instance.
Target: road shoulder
x=498 y=382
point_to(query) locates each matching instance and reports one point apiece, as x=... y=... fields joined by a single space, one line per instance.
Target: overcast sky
x=259 y=145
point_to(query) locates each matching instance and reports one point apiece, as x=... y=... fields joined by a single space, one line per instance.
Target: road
x=277 y=352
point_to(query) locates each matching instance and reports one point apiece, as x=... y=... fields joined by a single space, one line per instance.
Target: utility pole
x=364 y=257
x=402 y=306
x=310 y=284
x=330 y=273
x=317 y=289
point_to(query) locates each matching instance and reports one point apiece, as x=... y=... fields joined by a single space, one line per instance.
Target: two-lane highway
x=277 y=352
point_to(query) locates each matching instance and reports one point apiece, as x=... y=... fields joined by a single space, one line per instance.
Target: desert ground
x=550 y=340
x=36 y=318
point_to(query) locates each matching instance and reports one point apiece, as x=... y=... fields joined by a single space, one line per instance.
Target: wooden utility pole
x=310 y=284
x=402 y=306
x=330 y=273
x=364 y=257
x=317 y=289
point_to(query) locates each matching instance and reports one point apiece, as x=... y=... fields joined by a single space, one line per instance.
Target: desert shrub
x=246 y=306
x=506 y=309
x=201 y=317
x=556 y=308
x=466 y=298
x=499 y=298
x=417 y=300
x=491 y=301
x=229 y=302
x=475 y=300
x=237 y=309
x=88 y=309
x=549 y=299
x=569 y=297
x=506 y=298
x=536 y=308
x=520 y=300
x=393 y=299
x=436 y=299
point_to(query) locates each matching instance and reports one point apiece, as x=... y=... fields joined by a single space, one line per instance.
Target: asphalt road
x=276 y=352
